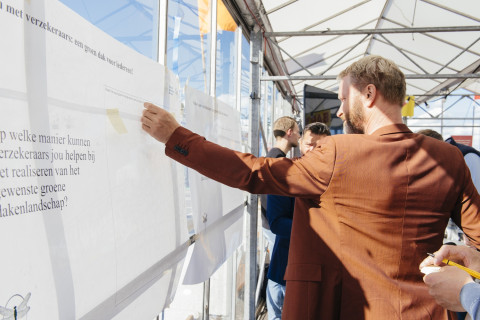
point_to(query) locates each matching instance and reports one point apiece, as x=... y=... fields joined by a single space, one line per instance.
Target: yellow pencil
x=471 y=272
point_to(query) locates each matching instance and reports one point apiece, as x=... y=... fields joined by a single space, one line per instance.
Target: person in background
x=472 y=159
x=431 y=133
x=287 y=134
x=367 y=204
x=470 y=154
x=314 y=134
x=280 y=214
x=453 y=288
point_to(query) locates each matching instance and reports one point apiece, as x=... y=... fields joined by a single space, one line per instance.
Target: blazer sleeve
x=280 y=214
x=308 y=176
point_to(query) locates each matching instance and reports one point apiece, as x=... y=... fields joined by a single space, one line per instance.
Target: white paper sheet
x=217 y=209
x=91 y=221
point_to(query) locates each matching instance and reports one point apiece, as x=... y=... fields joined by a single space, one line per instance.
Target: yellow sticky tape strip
x=116 y=121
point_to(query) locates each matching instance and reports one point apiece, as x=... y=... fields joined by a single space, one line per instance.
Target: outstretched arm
x=307 y=177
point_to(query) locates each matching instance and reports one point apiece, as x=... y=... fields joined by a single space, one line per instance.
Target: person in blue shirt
x=287 y=133
x=453 y=288
x=279 y=214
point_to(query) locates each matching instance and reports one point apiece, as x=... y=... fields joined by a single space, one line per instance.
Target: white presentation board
x=91 y=209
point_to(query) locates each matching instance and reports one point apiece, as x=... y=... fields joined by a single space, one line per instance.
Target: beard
x=355 y=121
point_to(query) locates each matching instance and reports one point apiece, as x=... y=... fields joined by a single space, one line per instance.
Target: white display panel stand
x=91 y=210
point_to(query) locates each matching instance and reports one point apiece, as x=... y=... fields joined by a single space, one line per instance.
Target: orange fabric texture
x=224 y=18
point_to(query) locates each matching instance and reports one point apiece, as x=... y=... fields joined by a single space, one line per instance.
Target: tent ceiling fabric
x=426 y=53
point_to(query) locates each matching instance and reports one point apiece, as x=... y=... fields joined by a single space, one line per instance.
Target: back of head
x=431 y=133
x=318 y=128
x=383 y=73
x=281 y=126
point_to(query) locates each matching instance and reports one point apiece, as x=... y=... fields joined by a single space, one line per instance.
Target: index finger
x=450 y=252
x=151 y=107
x=428 y=261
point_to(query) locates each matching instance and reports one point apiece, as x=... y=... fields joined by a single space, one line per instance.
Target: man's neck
x=283 y=145
x=382 y=117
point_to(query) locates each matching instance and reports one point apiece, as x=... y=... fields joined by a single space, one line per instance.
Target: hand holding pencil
x=462 y=255
x=471 y=272
x=446 y=284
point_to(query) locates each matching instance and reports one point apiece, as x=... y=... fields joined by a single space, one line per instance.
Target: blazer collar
x=391 y=129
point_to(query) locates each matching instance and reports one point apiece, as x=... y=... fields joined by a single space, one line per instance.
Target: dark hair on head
x=431 y=133
x=317 y=128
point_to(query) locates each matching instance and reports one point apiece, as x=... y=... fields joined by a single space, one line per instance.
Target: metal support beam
x=369 y=31
x=403 y=53
x=435 y=118
x=407 y=76
x=293 y=59
x=345 y=54
x=458 y=55
x=431 y=36
x=337 y=14
x=206 y=300
x=462 y=14
x=213 y=87
x=283 y=5
x=443 y=126
x=162 y=32
x=256 y=55
x=300 y=96
x=238 y=61
x=264 y=138
x=213 y=50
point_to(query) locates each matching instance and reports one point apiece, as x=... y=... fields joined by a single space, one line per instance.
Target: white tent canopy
x=435 y=43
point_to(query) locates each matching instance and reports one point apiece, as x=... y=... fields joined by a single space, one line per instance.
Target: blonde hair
x=281 y=126
x=383 y=73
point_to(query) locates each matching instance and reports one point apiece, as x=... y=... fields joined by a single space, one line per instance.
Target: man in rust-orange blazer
x=357 y=244
x=368 y=206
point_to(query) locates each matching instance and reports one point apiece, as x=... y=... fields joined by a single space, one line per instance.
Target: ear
x=289 y=132
x=370 y=92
